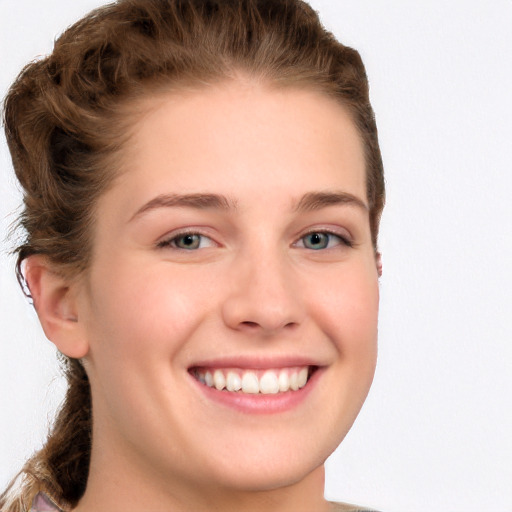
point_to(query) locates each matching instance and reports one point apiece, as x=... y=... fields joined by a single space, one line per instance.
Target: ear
x=55 y=300
x=378 y=262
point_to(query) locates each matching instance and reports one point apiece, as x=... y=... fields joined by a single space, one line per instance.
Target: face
x=234 y=250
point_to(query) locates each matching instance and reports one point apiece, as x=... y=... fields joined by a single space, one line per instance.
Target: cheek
x=140 y=309
x=347 y=312
x=347 y=307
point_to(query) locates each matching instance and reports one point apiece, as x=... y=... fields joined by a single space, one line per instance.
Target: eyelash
x=345 y=241
x=171 y=242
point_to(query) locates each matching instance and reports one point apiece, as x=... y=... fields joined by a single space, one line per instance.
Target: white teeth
x=284 y=381
x=219 y=381
x=303 y=377
x=247 y=381
x=233 y=382
x=269 y=384
x=250 y=383
x=200 y=377
x=294 y=381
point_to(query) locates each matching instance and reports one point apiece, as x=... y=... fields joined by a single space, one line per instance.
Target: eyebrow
x=197 y=201
x=309 y=202
x=317 y=200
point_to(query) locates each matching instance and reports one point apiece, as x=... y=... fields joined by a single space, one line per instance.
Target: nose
x=262 y=295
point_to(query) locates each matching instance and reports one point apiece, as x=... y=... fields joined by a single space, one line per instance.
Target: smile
x=254 y=381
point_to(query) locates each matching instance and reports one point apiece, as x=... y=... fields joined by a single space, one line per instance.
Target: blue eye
x=187 y=241
x=319 y=240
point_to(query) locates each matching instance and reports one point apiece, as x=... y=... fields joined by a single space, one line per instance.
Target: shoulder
x=43 y=503
x=346 y=507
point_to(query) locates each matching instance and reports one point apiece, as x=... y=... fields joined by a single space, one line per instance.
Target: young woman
x=203 y=187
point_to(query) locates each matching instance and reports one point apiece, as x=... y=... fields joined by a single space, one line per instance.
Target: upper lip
x=256 y=362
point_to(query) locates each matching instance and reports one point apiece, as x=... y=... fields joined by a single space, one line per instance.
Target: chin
x=268 y=469
x=265 y=480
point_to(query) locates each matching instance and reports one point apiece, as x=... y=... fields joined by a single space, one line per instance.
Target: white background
x=436 y=431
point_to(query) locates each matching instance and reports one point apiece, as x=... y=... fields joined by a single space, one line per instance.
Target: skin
x=145 y=312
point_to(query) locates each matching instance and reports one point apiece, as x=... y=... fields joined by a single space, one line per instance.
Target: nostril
x=250 y=325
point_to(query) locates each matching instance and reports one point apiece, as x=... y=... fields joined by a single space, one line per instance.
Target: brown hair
x=65 y=121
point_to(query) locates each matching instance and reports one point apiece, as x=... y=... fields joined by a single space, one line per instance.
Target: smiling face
x=235 y=250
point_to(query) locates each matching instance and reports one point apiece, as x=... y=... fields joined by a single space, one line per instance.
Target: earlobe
x=378 y=261
x=55 y=300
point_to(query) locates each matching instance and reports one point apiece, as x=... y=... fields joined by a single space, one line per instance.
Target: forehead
x=242 y=137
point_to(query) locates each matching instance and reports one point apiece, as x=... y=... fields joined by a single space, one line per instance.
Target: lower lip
x=260 y=403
